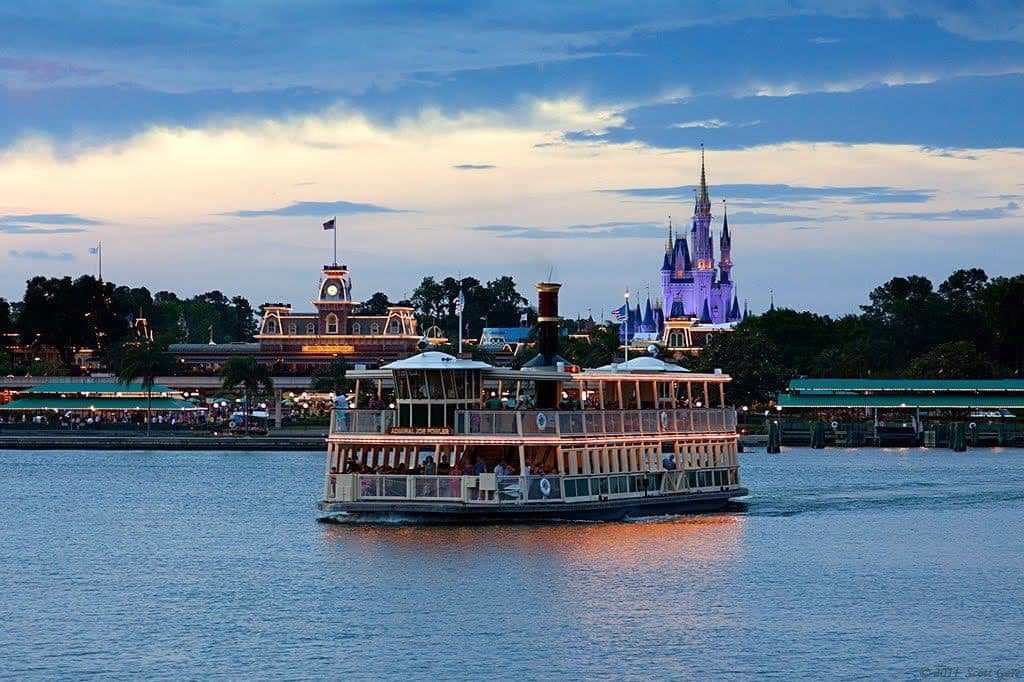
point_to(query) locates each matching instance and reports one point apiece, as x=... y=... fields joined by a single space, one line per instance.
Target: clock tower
x=334 y=299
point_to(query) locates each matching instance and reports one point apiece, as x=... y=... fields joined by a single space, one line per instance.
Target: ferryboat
x=467 y=442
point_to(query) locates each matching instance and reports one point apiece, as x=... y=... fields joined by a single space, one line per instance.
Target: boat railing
x=473 y=489
x=547 y=423
x=538 y=423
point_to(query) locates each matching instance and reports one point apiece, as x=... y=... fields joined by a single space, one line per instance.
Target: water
x=848 y=564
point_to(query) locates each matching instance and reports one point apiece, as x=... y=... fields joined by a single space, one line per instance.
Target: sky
x=203 y=142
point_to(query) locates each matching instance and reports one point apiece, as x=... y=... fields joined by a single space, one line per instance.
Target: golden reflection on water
x=696 y=540
x=602 y=575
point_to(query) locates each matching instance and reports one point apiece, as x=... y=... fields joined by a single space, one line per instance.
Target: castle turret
x=725 y=247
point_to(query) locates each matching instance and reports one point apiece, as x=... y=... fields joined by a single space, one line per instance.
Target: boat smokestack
x=548 y=321
x=547 y=359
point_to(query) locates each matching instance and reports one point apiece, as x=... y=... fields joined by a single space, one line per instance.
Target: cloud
x=786 y=193
x=755 y=218
x=316 y=208
x=713 y=123
x=474 y=166
x=992 y=213
x=13 y=228
x=41 y=255
x=607 y=230
x=823 y=40
x=50 y=219
x=44 y=70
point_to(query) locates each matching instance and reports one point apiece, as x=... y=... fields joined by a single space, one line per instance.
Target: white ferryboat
x=632 y=439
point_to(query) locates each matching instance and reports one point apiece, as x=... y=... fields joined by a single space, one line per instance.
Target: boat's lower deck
x=592 y=510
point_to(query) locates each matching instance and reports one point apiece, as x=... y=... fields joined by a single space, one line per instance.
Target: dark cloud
x=14 y=228
x=474 y=166
x=316 y=208
x=40 y=255
x=49 y=219
x=608 y=230
x=993 y=213
x=785 y=193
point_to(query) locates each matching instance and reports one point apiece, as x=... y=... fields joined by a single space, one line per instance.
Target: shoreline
x=314 y=443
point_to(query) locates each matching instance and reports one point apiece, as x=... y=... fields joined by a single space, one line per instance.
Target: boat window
x=434 y=384
x=401 y=388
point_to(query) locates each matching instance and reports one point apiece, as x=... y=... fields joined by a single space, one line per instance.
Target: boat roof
x=433 y=359
x=644 y=364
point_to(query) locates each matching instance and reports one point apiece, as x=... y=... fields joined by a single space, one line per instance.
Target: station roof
x=40 y=403
x=899 y=400
x=81 y=387
x=905 y=385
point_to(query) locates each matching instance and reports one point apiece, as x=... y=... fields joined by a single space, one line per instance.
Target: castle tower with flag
x=698 y=294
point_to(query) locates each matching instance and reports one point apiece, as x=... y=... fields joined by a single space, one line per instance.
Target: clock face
x=332 y=290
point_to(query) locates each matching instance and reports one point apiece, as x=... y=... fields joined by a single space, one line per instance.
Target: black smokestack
x=547 y=321
x=548 y=324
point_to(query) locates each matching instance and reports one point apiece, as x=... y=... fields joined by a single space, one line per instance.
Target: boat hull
x=457 y=513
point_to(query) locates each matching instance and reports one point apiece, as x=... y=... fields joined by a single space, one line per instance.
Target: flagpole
x=627 y=325
x=99 y=256
x=335 y=231
x=462 y=304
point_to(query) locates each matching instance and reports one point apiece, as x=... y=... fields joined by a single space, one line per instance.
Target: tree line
x=970 y=327
x=66 y=314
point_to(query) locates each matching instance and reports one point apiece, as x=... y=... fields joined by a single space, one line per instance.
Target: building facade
x=301 y=341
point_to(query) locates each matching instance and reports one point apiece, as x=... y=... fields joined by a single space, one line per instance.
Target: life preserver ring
x=973 y=425
x=545 y=487
x=835 y=424
x=542 y=421
x=664 y=419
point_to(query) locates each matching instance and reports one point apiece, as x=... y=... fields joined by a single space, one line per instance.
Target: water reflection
x=695 y=540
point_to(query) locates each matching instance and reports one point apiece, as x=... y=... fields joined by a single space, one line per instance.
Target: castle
x=697 y=298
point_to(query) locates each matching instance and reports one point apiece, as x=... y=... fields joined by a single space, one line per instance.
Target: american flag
x=620 y=313
x=460 y=303
x=330 y=224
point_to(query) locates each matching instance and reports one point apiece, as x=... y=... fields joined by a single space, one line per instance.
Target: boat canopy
x=643 y=364
x=435 y=360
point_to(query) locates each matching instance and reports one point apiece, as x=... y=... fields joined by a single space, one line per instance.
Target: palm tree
x=250 y=375
x=331 y=379
x=145 y=360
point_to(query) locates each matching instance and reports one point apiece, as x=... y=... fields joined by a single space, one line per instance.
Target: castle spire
x=703 y=203
x=668 y=245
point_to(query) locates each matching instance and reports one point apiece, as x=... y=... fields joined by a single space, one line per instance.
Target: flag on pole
x=94 y=250
x=329 y=225
x=621 y=313
x=460 y=303
x=524 y=318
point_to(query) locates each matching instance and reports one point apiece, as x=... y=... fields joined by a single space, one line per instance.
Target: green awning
x=906 y=385
x=79 y=387
x=40 y=403
x=899 y=400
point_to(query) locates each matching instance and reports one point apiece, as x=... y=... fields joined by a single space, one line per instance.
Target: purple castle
x=692 y=287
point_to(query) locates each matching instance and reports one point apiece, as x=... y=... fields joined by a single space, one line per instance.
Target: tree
x=144 y=360
x=753 y=362
x=250 y=375
x=952 y=360
x=331 y=378
x=799 y=336
x=6 y=325
x=377 y=304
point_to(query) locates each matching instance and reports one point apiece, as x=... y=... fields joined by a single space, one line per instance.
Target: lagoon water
x=863 y=563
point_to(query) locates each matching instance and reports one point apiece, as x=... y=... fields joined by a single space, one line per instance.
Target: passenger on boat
x=429 y=467
x=668 y=462
x=494 y=402
x=480 y=466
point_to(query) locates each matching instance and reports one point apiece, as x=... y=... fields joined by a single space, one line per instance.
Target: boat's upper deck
x=438 y=395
